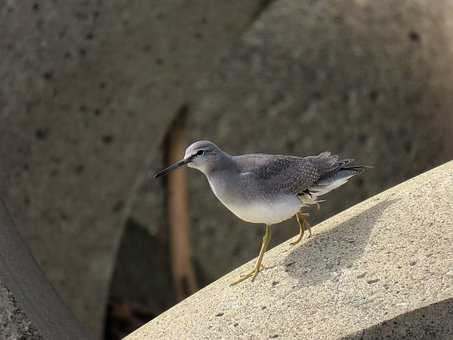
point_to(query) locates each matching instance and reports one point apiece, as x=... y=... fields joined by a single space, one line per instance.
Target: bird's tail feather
x=336 y=178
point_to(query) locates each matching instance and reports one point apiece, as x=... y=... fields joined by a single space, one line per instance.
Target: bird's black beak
x=172 y=167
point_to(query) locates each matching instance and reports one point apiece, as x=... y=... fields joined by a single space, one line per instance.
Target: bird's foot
x=303 y=225
x=299 y=238
x=251 y=274
x=258 y=266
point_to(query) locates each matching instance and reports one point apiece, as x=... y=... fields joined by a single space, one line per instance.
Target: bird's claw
x=299 y=238
x=252 y=274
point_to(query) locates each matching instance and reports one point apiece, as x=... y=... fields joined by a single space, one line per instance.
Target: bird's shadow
x=324 y=255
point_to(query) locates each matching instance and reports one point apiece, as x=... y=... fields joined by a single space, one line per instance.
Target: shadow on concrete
x=431 y=322
x=318 y=258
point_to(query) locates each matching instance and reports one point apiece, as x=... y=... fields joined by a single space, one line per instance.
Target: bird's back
x=292 y=174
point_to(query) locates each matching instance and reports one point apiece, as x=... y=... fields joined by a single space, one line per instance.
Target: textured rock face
x=370 y=271
x=371 y=80
x=14 y=324
x=29 y=306
x=88 y=89
x=431 y=322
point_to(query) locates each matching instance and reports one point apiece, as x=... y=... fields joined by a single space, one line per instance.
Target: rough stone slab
x=386 y=258
x=14 y=324
x=29 y=306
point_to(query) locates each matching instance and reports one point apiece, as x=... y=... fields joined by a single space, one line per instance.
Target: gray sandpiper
x=267 y=189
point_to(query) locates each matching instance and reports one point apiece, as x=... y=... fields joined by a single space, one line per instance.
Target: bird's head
x=202 y=155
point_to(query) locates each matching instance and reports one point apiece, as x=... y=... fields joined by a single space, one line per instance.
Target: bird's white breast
x=265 y=212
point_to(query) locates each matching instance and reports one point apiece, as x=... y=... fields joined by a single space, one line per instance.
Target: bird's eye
x=200 y=152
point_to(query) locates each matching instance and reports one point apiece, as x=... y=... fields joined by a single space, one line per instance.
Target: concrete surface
x=88 y=90
x=366 y=79
x=14 y=324
x=386 y=260
x=431 y=322
x=29 y=306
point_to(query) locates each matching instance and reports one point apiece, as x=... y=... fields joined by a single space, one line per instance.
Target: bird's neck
x=224 y=163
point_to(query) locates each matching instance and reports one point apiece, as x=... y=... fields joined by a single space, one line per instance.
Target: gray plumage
x=262 y=188
x=296 y=175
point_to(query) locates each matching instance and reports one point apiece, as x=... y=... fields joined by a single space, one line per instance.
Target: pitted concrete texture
x=14 y=324
x=29 y=306
x=430 y=322
x=386 y=260
x=88 y=90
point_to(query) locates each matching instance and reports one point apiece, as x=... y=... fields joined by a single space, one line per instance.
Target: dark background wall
x=90 y=89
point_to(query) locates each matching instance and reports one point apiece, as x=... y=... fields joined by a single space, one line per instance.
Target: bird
x=267 y=189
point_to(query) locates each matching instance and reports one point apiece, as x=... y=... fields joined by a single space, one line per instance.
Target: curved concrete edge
x=29 y=306
x=383 y=259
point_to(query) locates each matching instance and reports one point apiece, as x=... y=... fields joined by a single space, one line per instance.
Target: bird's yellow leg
x=258 y=266
x=306 y=223
x=301 y=232
x=303 y=222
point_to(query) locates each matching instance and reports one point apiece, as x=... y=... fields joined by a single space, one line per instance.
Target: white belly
x=265 y=212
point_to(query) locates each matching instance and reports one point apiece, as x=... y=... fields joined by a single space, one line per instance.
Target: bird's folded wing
x=289 y=173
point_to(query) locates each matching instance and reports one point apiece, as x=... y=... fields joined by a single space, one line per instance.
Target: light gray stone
x=385 y=259
x=431 y=322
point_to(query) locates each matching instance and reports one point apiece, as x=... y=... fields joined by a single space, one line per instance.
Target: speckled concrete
x=14 y=324
x=29 y=306
x=384 y=258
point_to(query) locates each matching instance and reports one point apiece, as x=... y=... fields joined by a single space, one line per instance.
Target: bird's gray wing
x=288 y=173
